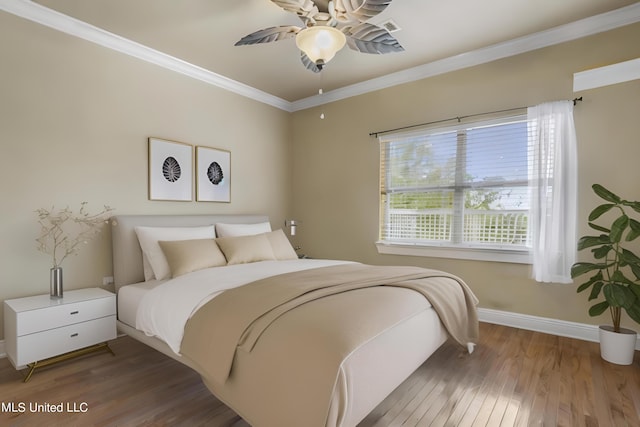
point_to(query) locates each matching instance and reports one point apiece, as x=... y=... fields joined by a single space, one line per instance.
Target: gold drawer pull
x=74 y=312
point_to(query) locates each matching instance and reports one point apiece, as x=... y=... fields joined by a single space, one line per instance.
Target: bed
x=282 y=341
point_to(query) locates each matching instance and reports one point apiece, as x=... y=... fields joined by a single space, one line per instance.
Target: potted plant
x=615 y=275
x=59 y=238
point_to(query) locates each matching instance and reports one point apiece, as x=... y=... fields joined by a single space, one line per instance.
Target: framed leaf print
x=213 y=175
x=170 y=170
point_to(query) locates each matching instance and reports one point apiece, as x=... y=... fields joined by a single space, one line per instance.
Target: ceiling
x=203 y=33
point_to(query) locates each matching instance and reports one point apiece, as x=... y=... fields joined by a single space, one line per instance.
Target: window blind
x=462 y=185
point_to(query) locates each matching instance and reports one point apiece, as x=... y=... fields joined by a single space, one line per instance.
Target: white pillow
x=233 y=230
x=151 y=251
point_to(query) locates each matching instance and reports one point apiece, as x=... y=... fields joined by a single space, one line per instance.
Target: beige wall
x=336 y=162
x=74 y=123
x=75 y=118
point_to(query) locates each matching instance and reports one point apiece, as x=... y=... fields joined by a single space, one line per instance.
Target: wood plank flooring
x=514 y=378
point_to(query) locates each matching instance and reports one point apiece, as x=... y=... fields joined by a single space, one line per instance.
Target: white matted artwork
x=213 y=175
x=170 y=170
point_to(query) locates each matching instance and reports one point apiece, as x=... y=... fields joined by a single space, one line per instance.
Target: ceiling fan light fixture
x=320 y=43
x=329 y=25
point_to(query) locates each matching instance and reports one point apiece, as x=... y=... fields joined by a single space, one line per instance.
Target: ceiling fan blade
x=358 y=10
x=271 y=34
x=369 y=38
x=305 y=9
x=308 y=63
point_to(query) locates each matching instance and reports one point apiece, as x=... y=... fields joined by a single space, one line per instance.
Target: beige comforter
x=253 y=328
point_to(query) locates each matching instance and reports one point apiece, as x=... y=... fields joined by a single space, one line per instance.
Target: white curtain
x=553 y=175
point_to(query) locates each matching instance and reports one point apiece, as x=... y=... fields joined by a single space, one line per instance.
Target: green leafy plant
x=616 y=272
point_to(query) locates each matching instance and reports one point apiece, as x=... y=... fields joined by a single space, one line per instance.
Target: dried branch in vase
x=63 y=231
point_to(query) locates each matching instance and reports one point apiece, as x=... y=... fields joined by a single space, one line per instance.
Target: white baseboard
x=557 y=327
x=560 y=328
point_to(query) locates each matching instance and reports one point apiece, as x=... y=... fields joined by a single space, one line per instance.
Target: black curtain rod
x=459 y=118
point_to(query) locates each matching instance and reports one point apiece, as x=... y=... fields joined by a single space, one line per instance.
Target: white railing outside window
x=497 y=227
x=481 y=227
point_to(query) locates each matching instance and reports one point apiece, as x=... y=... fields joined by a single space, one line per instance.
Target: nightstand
x=40 y=331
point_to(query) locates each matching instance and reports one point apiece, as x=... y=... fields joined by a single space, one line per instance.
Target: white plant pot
x=617 y=347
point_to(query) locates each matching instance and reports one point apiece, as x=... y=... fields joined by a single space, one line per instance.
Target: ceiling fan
x=328 y=26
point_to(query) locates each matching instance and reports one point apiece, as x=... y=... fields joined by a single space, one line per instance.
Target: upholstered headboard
x=127 y=255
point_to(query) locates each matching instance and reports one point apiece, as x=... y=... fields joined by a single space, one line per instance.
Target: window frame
x=454 y=248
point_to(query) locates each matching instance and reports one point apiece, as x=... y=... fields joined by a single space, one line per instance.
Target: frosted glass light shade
x=320 y=43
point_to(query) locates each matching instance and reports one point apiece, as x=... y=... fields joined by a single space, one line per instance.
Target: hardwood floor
x=514 y=378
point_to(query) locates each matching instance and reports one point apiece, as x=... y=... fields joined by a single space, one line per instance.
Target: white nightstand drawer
x=32 y=321
x=42 y=345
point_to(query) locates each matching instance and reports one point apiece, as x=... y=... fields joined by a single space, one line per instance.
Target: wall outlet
x=107 y=280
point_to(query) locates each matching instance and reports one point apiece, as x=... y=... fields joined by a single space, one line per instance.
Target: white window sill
x=495 y=255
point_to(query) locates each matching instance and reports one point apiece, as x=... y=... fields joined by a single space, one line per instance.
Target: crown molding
x=42 y=15
x=35 y=12
x=572 y=31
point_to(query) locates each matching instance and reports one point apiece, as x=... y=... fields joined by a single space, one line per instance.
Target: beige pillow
x=154 y=262
x=281 y=246
x=245 y=249
x=185 y=256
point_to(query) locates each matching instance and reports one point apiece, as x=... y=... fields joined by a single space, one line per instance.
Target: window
x=462 y=189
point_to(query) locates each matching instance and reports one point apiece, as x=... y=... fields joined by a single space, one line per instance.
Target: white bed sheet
x=129 y=298
x=162 y=308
